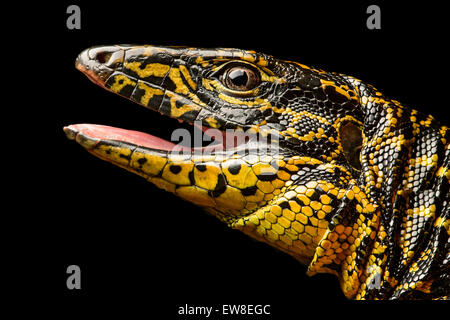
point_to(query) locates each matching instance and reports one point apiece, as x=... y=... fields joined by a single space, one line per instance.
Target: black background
x=139 y=248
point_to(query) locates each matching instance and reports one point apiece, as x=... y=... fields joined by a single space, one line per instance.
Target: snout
x=97 y=63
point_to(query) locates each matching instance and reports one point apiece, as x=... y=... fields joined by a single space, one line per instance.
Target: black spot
x=234 y=168
x=123 y=156
x=268 y=176
x=142 y=161
x=201 y=167
x=285 y=205
x=220 y=187
x=315 y=196
x=250 y=191
x=175 y=169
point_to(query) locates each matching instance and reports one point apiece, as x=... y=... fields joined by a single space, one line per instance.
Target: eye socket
x=240 y=78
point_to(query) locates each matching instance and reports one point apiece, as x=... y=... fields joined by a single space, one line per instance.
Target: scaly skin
x=356 y=184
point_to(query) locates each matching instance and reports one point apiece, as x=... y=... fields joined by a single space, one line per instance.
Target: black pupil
x=238 y=77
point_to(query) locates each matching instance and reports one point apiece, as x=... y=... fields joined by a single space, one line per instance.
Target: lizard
x=317 y=164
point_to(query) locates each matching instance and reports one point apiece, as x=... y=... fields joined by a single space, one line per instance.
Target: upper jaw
x=106 y=67
x=124 y=70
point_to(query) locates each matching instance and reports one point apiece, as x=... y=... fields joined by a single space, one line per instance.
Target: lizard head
x=287 y=136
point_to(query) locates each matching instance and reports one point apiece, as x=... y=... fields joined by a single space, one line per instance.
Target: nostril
x=103 y=57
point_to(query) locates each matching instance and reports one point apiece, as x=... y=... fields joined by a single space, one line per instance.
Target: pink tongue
x=111 y=133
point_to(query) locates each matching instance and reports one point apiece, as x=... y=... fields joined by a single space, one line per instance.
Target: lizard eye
x=240 y=78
